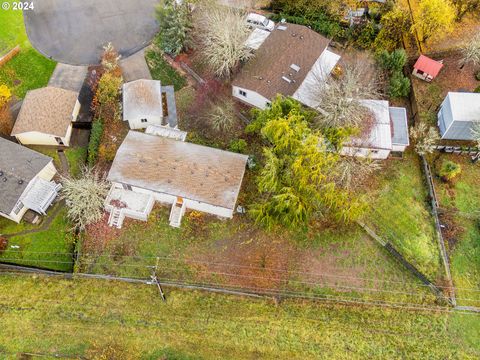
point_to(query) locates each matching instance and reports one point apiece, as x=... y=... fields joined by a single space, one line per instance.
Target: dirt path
x=45 y=225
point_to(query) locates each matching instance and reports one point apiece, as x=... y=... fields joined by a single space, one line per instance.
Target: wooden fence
x=10 y=55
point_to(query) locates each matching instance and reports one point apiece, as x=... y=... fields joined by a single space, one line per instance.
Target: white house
x=147 y=102
x=46 y=117
x=388 y=132
x=25 y=181
x=150 y=168
x=288 y=61
x=458 y=115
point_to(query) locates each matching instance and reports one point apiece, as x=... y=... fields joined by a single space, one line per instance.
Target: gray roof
x=18 y=166
x=142 y=98
x=398 y=116
x=178 y=168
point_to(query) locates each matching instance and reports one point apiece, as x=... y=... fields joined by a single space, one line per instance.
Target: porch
x=122 y=203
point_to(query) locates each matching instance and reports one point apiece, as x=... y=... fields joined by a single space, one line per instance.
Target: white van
x=260 y=22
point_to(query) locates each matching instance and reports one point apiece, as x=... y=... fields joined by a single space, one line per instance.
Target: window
x=127 y=187
x=144 y=120
x=18 y=207
x=420 y=72
x=243 y=93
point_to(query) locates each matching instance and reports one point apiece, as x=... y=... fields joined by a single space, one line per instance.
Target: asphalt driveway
x=75 y=31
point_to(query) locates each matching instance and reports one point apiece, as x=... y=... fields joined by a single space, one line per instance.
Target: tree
x=223 y=32
x=425 y=138
x=85 y=197
x=105 y=102
x=394 y=24
x=433 y=17
x=339 y=100
x=297 y=181
x=353 y=171
x=462 y=7
x=393 y=61
x=6 y=118
x=399 y=85
x=175 y=26
x=471 y=52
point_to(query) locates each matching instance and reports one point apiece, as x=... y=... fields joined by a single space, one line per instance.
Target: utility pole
x=155 y=280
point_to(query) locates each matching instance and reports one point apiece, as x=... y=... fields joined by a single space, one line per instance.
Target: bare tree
x=471 y=52
x=223 y=32
x=84 y=197
x=353 y=171
x=425 y=138
x=338 y=100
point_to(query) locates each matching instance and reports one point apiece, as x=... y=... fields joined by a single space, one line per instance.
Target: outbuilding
x=458 y=115
x=427 y=69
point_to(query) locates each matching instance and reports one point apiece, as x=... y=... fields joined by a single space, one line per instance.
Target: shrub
x=449 y=170
x=477 y=90
x=477 y=76
x=3 y=244
x=399 y=85
x=222 y=117
x=95 y=138
x=238 y=146
x=392 y=61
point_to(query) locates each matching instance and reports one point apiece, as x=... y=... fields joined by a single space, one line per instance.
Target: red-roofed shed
x=426 y=69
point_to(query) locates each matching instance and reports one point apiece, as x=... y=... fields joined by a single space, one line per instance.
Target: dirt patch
x=248 y=259
x=316 y=265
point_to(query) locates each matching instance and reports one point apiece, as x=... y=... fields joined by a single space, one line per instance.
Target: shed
x=458 y=115
x=400 y=137
x=426 y=69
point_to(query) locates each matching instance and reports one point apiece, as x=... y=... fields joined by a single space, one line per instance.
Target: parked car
x=260 y=22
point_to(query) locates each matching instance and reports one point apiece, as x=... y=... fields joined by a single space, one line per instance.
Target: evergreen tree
x=175 y=25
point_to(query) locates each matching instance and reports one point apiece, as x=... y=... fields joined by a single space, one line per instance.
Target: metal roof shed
x=458 y=114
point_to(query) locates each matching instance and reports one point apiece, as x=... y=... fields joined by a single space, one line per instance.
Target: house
x=46 y=117
x=426 y=69
x=388 y=132
x=150 y=168
x=291 y=60
x=147 y=102
x=458 y=115
x=25 y=181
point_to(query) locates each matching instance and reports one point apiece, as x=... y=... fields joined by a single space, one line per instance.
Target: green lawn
x=45 y=249
x=162 y=71
x=400 y=213
x=463 y=195
x=29 y=69
x=76 y=159
x=108 y=320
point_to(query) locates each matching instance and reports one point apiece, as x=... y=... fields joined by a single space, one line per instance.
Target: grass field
x=108 y=320
x=461 y=199
x=400 y=214
x=46 y=249
x=29 y=69
x=162 y=71
x=76 y=158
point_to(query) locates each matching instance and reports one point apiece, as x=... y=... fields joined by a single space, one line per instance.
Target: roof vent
x=4 y=179
x=295 y=67
x=287 y=79
x=1 y=173
x=20 y=182
x=282 y=27
x=301 y=37
x=294 y=34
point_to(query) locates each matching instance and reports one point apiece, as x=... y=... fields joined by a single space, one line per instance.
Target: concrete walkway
x=135 y=67
x=68 y=77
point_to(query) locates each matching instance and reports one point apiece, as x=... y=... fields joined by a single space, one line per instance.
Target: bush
x=392 y=61
x=477 y=76
x=449 y=170
x=238 y=146
x=477 y=90
x=399 y=85
x=363 y=36
x=95 y=138
x=319 y=22
x=3 y=244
